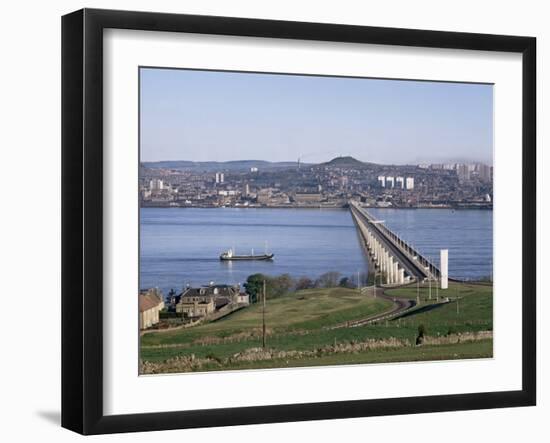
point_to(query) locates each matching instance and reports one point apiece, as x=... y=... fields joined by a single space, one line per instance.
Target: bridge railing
x=398 y=242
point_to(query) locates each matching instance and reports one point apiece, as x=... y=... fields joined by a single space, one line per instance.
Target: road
x=400 y=305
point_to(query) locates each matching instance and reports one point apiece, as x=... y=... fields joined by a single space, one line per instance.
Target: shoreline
x=454 y=208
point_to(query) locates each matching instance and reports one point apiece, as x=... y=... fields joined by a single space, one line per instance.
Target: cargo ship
x=230 y=255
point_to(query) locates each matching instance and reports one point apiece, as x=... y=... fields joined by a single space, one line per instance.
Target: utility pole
x=456 y=295
x=263 y=319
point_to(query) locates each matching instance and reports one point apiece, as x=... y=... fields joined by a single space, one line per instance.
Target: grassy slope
x=297 y=321
x=289 y=319
x=475 y=313
x=303 y=310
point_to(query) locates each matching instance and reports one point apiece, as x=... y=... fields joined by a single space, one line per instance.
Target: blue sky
x=220 y=116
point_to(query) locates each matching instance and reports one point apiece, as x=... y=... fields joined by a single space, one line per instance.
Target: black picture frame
x=82 y=218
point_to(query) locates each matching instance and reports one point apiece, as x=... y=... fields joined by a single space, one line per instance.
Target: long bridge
x=392 y=255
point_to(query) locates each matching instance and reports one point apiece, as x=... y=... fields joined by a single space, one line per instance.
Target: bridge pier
x=393 y=256
x=401 y=275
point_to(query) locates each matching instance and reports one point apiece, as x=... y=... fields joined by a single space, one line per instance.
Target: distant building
x=307 y=197
x=150 y=304
x=226 y=192
x=253 y=169
x=390 y=182
x=156 y=185
x=484 y=172
x=382 y=181
x=409 y=183
x=264 y=196
x=400 y=182
x=463 y=172
x=246 y=190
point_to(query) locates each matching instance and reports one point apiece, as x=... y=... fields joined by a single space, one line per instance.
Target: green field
x=299 y=327
x=473 y=313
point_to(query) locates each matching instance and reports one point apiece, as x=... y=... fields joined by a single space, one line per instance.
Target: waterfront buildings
x=307 y=197
x=330 y=184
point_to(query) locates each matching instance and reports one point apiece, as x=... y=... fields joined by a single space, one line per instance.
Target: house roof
x=148 y=300
x=212 y=291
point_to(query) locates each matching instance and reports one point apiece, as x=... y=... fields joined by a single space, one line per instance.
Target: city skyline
x=226 y=116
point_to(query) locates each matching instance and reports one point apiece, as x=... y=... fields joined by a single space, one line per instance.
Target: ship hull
x=247 y=257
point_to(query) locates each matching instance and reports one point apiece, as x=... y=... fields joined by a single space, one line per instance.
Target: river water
x=180 y=246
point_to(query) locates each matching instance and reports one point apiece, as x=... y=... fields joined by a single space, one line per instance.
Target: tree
x=328 y=280
x=345 y=282
x=253 y=286
x=304 y=283
x=280 y=285
x=170 y=297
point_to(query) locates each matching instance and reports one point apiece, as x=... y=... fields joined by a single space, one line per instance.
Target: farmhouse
x=199 y=302
x=195 y=308
x=150 y=304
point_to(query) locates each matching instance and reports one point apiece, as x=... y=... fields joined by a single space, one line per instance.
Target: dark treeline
x=277 y=286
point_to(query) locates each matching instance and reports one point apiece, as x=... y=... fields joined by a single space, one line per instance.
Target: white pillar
x=395 y=272
x=401 y=275
x=387 y=265
x=390 y=270
x=444 y=268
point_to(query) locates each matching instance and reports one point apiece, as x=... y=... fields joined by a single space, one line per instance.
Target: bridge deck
x=415 y=265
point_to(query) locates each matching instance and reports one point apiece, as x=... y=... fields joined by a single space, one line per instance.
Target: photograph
x=294 y=220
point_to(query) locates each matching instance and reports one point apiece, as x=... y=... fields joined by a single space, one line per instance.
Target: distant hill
x=345 y=162
x=234 y=165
